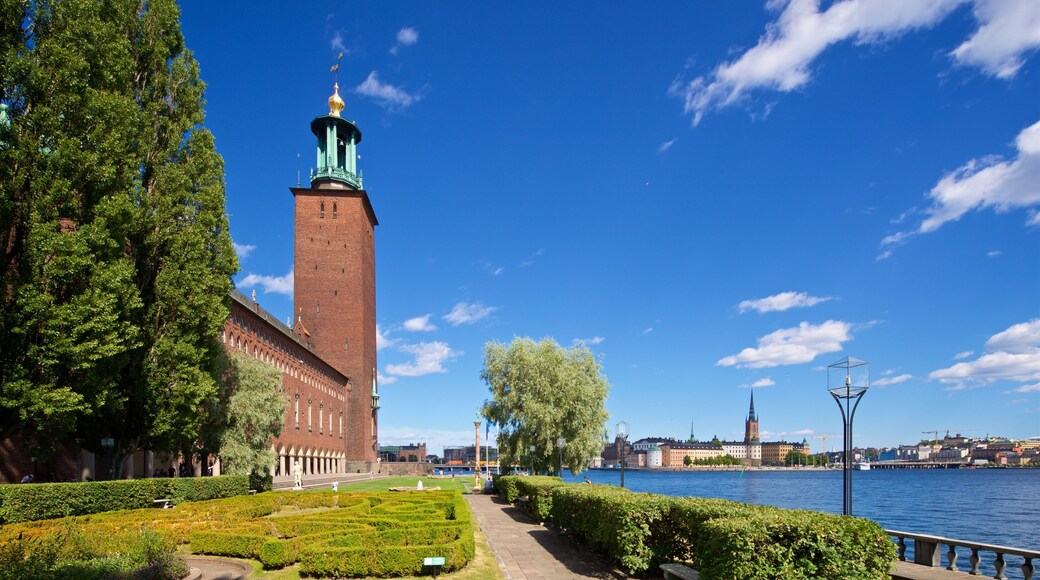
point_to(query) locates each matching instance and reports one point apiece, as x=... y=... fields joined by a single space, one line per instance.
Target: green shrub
x=25 y=503
x=506 y=486
x=538 y=491
x=261 y=482
x=722 y=539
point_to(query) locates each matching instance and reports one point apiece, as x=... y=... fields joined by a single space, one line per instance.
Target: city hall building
x=327 y=357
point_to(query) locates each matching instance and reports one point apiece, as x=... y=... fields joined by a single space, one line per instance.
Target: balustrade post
x=1027 y=569
x=902 y=548
x=951 y=558
x=974 y=559
x=999 y=566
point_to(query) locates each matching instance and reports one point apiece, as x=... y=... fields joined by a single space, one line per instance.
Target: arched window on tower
x=334 y=212
x=322 y=214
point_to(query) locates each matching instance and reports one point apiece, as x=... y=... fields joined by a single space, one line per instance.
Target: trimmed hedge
x=41 y=501
x=537 y=489
x=722 y=539
x=329 y=534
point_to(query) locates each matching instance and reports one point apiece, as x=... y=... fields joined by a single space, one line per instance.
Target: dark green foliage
x=722 y=539
x=538 y=491
x=115 y=256
x=25 y=503
x=261 y=481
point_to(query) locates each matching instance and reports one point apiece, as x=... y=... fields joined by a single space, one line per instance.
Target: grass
x=462 y=484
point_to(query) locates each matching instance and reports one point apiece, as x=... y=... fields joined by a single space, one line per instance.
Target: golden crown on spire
x=336 y=103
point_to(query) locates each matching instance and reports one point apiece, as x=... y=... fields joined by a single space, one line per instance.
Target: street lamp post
x=476 y=453
x=560 y=443
x=847 y=381
x=622 y=437
x=531 y=449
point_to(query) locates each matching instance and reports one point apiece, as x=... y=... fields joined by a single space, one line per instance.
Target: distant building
x=674 y=454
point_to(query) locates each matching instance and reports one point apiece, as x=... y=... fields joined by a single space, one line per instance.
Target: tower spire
x=751 y=412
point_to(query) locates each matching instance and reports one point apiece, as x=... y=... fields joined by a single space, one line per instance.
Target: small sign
x=433 y=561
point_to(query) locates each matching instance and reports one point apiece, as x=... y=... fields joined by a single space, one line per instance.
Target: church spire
x=751 y=412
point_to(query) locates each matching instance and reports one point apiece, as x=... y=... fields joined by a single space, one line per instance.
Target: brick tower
x=334 y=276
x=751 y=437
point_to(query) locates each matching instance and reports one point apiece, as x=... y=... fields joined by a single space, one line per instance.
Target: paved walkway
x=526 y=550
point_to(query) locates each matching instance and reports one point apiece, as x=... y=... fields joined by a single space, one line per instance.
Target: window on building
x=296 y=410
x=322 y=213
x=334 y=212
x=310 y=414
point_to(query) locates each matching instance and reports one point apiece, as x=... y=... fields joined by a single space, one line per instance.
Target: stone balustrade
x=928 y=552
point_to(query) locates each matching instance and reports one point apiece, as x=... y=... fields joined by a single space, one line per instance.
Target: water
x=992 y=506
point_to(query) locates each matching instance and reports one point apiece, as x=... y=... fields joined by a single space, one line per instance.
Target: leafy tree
x=248 y=414
x=116 y=258
x=687 y=460
x=540 y=392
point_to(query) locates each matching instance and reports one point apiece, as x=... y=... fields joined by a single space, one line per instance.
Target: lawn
x=461 y=484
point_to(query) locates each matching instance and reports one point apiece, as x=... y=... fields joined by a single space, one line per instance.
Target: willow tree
x=541 y=392
x=116 y=258
x=248 y=414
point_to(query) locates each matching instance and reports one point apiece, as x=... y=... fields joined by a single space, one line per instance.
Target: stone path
x=526 y=550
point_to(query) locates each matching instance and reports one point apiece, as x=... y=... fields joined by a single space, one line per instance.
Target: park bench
x=679 y=572
x=162 y=503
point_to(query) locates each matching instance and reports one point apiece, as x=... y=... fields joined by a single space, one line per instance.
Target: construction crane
x=825 y=437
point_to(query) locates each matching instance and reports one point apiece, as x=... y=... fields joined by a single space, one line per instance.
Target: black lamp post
x=561 y=442
x=531 y=449
x=847 y=381
x=622 y=437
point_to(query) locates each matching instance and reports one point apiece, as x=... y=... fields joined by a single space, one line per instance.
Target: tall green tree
x=248 y=414
x=116 y=261
x=540 y=392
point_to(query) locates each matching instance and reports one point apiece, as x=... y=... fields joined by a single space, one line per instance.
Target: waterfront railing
x=927 y=551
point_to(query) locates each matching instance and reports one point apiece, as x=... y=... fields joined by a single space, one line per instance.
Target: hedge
x=722 y=539
x=41 y=501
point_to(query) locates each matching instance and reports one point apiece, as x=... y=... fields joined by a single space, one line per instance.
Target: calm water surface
x=993 y=506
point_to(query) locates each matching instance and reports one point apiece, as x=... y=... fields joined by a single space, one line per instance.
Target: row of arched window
x=310 y=416
x=335 y=212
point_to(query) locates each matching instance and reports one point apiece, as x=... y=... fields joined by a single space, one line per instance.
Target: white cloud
x=407 y=36
x=1013 y=355
x=419 y=324
x=1020 y=338
x=337 y=42
x=1008 y=29
x=782 y=301
x=892 y=380
x=243 y=250
x=986 y=182
x=270 y=284
x=385 y=380
x=385 y=94
x=427 y=358
x=766 y=382
x=1034 y=388
x=594 y=340
x=964 y=354
x=781 y=59
x=789 y=346
x=667 y=145
x=803 y=432
x=648 y=330
x=497 y=271
x=467 y=313
x=993 y=253
x=382 y=340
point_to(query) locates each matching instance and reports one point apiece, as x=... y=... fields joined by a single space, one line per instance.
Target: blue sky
x=710 y=195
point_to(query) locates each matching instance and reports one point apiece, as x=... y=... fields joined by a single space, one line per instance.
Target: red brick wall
x=334 y=292
x=305 y=375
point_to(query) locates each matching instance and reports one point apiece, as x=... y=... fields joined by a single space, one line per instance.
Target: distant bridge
x=920 y=465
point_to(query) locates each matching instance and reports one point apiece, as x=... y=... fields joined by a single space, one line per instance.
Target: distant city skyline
x=710 y=196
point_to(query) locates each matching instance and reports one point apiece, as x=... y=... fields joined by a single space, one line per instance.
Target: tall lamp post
x=476 y=452
x=847 y=381
x=531 y=449
x=622 y=437
x=560 y=443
